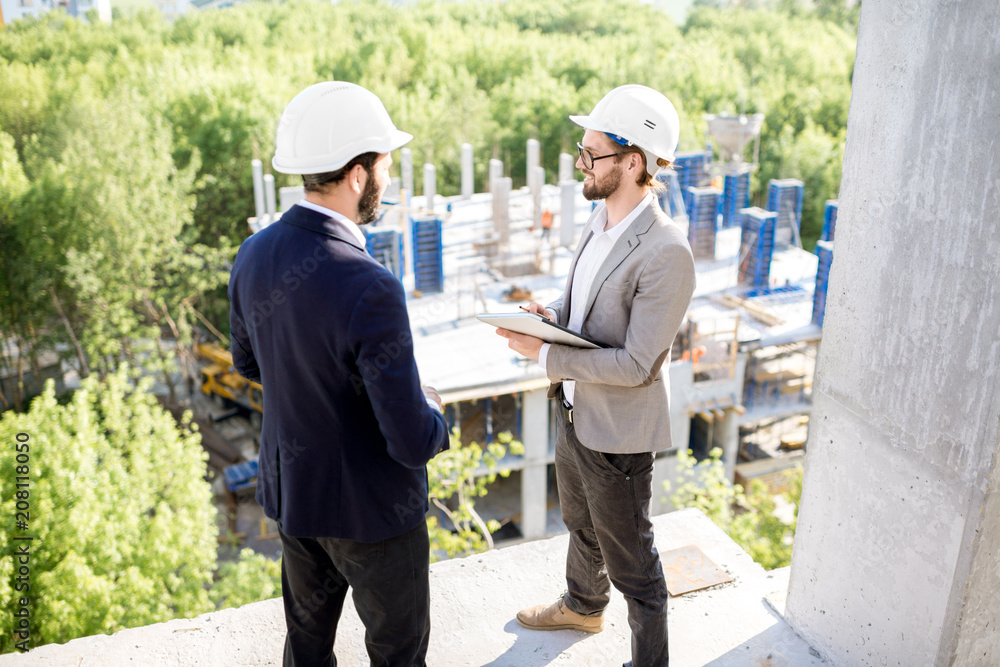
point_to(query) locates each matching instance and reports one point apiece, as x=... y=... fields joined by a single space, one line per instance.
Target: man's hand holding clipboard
x=540 y=322
x=523 y=343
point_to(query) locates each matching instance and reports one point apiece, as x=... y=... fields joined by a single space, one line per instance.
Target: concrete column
x=567 y=167
x=257 y=169
x=270 y=201
x=405 y=228
x=468 y=175
x=534 y=477
x=534 y=157
x=496 y=171
x=726 y=436
x=430 y=186
x=392 y=192
x=898 y=538
x=538 y=176
x=567 y=229
x=501 y=208
x=406 y=170
x=290 y=196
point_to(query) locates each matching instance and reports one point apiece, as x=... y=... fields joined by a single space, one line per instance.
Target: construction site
x=896 y=541
x=742 y=365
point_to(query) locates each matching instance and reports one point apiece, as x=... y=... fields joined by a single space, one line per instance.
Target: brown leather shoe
x=557 y=616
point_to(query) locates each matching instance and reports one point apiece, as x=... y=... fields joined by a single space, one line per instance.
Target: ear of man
x=357 y=178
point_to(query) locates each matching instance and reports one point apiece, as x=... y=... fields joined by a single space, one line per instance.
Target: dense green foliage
x=455 y=478
x=125 y=149
x=121 y=518
x=747 y=515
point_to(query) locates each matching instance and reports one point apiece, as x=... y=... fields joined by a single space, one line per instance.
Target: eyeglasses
x=588 y=158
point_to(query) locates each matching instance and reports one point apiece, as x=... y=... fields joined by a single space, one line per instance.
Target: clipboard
x=539 y=327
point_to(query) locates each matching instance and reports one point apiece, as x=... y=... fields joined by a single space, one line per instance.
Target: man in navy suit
x=347 y=427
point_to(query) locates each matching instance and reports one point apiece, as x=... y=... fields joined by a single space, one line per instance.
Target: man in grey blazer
x=629 y=287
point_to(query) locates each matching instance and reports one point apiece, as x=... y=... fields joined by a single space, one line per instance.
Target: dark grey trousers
x=605 y=500
x=391 y=590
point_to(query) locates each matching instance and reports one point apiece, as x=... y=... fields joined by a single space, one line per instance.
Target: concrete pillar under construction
x=538 y=175
x=468 y=175
x=534 y=476
x=567 y=167
x=496 y=171
x=534 y=158
x=392 y=192
x=406 y=170
x=257 y=169
x=898 y=536
x=430 y=185
x=567 y=200
x=270 y=200
x=501 y=208
x=290 y=196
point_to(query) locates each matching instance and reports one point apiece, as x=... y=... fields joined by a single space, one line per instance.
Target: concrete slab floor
x=473 y=603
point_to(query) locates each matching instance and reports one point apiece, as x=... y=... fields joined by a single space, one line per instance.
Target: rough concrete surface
x=473 y=603
x=895 y=556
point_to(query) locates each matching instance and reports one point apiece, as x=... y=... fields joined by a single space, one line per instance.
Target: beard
x=368 y=205
x=596 y=190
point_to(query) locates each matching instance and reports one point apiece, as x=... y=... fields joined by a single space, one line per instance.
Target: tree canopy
x=120 y=518
x=125 y=149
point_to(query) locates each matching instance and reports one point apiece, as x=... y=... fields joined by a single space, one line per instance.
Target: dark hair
x=322 y=183
x=644 y=179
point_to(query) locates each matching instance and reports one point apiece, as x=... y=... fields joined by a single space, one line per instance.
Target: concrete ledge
x=473 y=605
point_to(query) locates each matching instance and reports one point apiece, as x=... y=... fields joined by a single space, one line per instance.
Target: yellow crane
x=220 y=379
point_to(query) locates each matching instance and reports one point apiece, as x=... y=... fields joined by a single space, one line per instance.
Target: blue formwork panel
x=702 y=206
x=824 y=249
x=428 y=256
x=386 y=246
x=672 y=196
x=784 y=197
x=692 y=168
x=735 y=197
x=830 y=220
x=756 y=246
x=240 y=476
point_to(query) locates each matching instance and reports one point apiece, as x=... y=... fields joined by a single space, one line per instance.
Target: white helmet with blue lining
x=328 y=124
x=635 y=115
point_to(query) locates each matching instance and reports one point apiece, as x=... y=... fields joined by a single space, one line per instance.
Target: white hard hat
x=635 y=115
x=328 y=124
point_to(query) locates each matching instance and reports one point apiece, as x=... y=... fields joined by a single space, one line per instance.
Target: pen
x=524 y=309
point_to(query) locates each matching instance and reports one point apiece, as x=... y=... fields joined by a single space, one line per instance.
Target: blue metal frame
x=428 y=256
x=785 y=198
x=756 y=246
x=830 y=220
x=386 y=246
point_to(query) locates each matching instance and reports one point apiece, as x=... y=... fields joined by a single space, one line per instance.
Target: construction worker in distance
x=347 y=428
x=546 y=224
x=630 y=286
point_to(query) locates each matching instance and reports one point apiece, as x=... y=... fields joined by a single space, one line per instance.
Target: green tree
x=455 y=479
x=121 y=517
x=251 y=578
x=747 y=516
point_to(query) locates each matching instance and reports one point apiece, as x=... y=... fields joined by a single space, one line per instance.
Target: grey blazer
x=636 y=305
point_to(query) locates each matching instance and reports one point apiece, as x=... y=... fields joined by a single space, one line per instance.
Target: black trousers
x=390 y=584
x=605 y=500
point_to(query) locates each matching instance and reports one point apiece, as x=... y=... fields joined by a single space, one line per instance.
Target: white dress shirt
x=593 y=255
x=360 y=236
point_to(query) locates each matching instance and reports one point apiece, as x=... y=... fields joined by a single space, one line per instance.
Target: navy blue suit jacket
x=347 y=431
